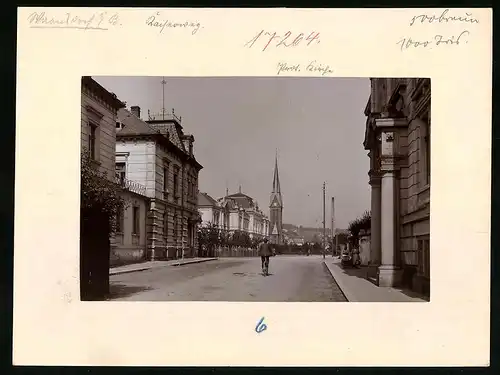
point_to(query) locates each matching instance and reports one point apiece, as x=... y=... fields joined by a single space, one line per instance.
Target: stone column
x=392 y=155
x=389 y=272
x=375 y=227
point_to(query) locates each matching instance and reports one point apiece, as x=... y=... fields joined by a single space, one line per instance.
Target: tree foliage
x=359 y=224
x=211 y=237
x=98 y=193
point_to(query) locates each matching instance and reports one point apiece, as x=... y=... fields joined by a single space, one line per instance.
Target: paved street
x=291 y=279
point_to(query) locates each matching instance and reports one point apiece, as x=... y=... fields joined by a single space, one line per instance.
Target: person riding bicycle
x=265 y=251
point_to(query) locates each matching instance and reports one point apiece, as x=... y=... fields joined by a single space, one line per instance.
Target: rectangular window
x=92 y=140
x=119 y=221
x=420 y=255
x=426 y=258
x=175 y=229
x=176 y=183
x=428 y=149
x=136 y=218
x=121 y=173
x=165 y=179
x=165 y=225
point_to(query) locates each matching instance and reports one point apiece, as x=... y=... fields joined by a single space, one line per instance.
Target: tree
x=99 y=194
x=100 y=202
x=209 y=238
x=359 y=224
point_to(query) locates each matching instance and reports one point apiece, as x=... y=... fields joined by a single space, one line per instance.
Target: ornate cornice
x=421 y=96
x=100 y=92
x=91 y=111
x=375 y=177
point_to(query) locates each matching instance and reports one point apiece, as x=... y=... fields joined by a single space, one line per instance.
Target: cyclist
x=265 y=252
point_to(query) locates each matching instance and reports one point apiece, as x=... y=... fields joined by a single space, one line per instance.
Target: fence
x=226 y=252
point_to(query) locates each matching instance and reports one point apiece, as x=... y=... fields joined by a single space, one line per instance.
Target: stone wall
x=127 y=246
x=364 y=247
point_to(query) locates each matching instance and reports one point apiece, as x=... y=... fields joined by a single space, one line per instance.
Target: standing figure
x=265 y=252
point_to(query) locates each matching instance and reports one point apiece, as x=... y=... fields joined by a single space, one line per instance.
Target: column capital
x=391 y=163
x=375 y=178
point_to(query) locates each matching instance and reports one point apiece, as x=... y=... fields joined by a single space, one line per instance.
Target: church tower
x=276 y=209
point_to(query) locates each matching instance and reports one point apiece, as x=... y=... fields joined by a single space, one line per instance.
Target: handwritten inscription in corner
x=261 y=326
x=160 y=23
x=444 y=17
x=312 y=67
x=286 y=40
x=442 y=39
x=437 y=41
x=94 y=21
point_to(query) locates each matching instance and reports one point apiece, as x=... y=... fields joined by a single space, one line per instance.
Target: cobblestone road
x=291 y=279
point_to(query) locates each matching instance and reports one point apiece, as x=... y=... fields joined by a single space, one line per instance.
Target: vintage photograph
x=258 y=189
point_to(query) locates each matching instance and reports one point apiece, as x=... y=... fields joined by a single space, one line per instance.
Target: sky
x=316 y=125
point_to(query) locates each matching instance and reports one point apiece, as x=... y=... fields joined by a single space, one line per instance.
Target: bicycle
x=265 y=267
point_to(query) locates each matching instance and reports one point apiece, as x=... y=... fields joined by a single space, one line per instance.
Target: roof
x=243 y=200
x=276 y=198
x=109 y=97
x=276 y=178
x=205 y=200
x=133 y=124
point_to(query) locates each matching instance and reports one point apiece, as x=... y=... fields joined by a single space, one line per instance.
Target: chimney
x=136 y=110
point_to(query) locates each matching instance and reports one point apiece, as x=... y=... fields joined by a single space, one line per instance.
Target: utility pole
x=324 y=220
x=334 y=248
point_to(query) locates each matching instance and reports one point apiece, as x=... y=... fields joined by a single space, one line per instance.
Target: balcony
x=132 y=186
x=164 y=116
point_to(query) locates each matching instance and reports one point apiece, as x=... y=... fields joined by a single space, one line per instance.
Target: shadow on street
x=362 y=273
x=121 y=290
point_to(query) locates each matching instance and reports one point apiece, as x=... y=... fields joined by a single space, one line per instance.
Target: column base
x=372 y=274
x=389 y=276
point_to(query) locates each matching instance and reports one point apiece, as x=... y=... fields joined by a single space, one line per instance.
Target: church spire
x=276 y=180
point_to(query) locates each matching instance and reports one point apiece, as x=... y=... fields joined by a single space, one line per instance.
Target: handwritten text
x=155 y=21
x=312 y=67
x=286 y=40
x=438 y=40
x=443 y=17
x=260 y=327
x=96 y=21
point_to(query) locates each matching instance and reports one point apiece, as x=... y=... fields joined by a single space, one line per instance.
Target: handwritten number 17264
x=285 y=40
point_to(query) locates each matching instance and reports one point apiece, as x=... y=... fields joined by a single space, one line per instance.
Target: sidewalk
x=156 y=264
x=357 y=288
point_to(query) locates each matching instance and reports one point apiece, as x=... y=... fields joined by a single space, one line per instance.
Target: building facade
x=235 y=212
x=398 y=138
x=158 y=154
x=211 y=211
x=99 y=110
x=276 y=209
x=99 y=114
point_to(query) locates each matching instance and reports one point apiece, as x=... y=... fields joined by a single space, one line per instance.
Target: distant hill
x=309 y=234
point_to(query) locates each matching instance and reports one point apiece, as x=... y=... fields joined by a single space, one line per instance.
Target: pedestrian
x=265 y=252
x=356 y=260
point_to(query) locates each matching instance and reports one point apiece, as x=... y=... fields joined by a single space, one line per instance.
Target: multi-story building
x=157 y=154
x=211 y=211
x=245 y=215
x=235 y=212
x=99 y=114
x=98 y=137
x=398 y=137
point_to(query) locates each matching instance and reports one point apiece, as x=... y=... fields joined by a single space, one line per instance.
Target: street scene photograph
x=255 y=189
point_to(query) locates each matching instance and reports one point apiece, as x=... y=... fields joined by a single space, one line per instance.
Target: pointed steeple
x=276 y=179
x=276 y=208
